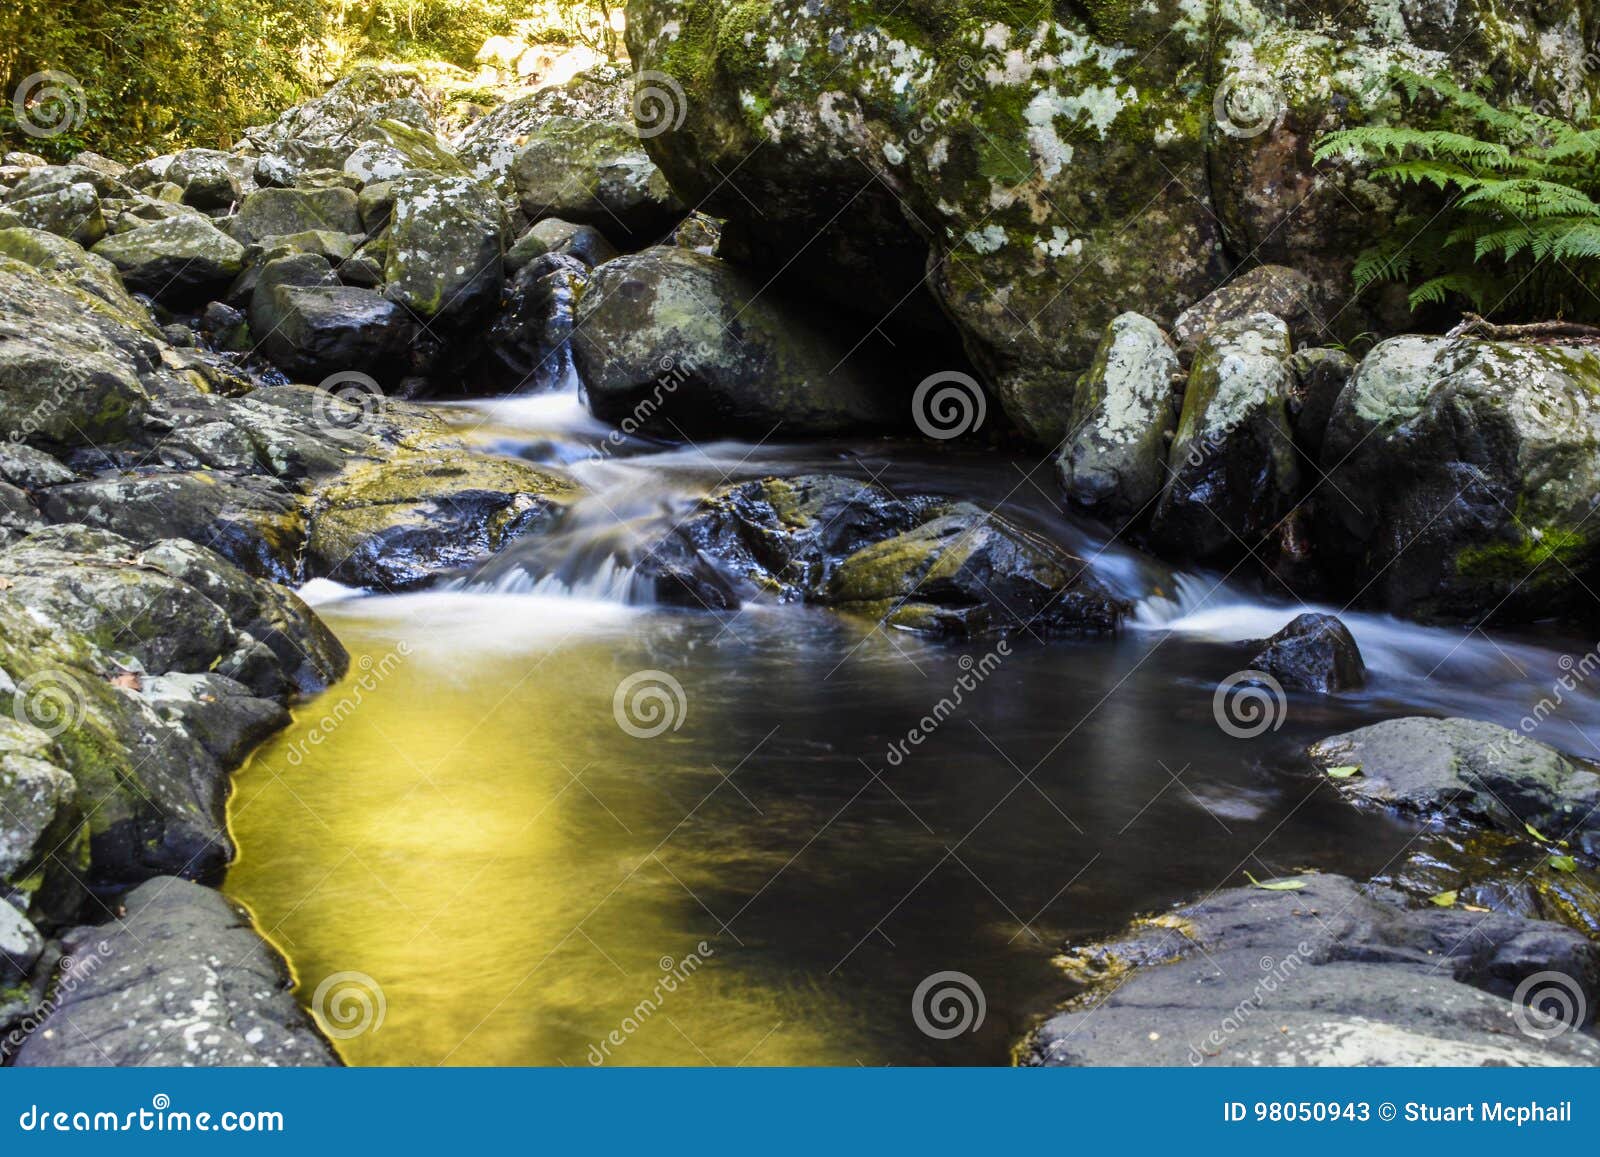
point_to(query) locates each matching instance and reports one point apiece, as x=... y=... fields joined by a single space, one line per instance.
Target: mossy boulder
x=73 y=212
x=178 y=261
x=595 y=173
x=405 y=522
x=69 y=264
x=677 y=343
x=446 y=242
x=276 y=212
x=1462 y=475
x=1113 y=461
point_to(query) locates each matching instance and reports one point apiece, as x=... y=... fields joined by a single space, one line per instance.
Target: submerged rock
x=1313 y=653
x=1469 y=771
x=1329 y=974
x=678 y=344
x=181 y=979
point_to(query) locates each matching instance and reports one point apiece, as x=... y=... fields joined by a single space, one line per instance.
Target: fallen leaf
x=1445 y=899
x=127 y=680
x=1472 y=908
x=1276 y=885
x=1343 y=772
x=1564 y=863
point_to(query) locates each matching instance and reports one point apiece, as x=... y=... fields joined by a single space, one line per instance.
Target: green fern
x=1506 y=204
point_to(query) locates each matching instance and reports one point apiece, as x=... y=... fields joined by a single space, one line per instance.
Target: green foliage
x=1505 y=215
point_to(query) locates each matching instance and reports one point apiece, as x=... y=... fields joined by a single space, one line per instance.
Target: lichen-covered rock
x=209 y=179
x=553 y=235
x=445 y=245
x=1468 y=771
x=313 y=332
x=181 y=979
x=1312 y=653
x=70 y=365
x=1330 y=973
x=401 y=523
x=74 y=213
x=177 y=260
x=1462 y=476
x=1045 y=172
x=1284 y=293
x=1114 y=460
x=70 y=264
x=595 y=173
x=278 y=212
x=1233 y=470
x=1320 y=376
x=699 y=342
x=44 y=841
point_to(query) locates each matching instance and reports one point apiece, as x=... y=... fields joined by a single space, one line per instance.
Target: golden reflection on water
x=471 y=830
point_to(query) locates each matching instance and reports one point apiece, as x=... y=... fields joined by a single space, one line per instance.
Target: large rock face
x=1054 y=169
x=680 y=343
x=1462 y=475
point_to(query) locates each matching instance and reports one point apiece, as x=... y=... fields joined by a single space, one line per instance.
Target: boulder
x=181 y=979
x=44 y=841
x=400 y=524
x=277 y=212
x=180 y=260
x=1114 y=459
x=1320 y=376
x=1312 y=653
x=527 y=346
x=1331 y=973
x=313 y=332
x=74 y=213
x=68 y=264
x=1462 y=477
x=683 y=344
x=595 y=173
x=1274 y=289
x=445 y=244
x=1233 y=470
x=209 y=178
x=553 y=235
x=1468 y=771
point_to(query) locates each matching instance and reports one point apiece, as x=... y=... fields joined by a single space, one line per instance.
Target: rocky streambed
x=942 y=708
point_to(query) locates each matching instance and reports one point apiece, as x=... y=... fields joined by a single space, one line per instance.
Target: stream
x=466 y=824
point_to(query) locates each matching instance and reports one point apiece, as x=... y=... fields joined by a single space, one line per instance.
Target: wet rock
x=181 y=979
x=527 y=344
x=445 y=243
x=595 y=173
x=177 y=261
x=1461 y=477
x=669 y=338
x=1320 y=376
x=1330 y=974
x=1313 y=653
x=1233 y=470
x=402 y=523
x=918 y=564
x=1275 y=289
x=1469 y=771
x=1113 y=462
x=699 y=232
x=222 y=713
x=314 y=332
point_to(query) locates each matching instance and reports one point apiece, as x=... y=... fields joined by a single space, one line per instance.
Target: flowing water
x=466 y=824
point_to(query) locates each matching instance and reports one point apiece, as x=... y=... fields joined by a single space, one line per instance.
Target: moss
x=713 y=38
x=1519 y=561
